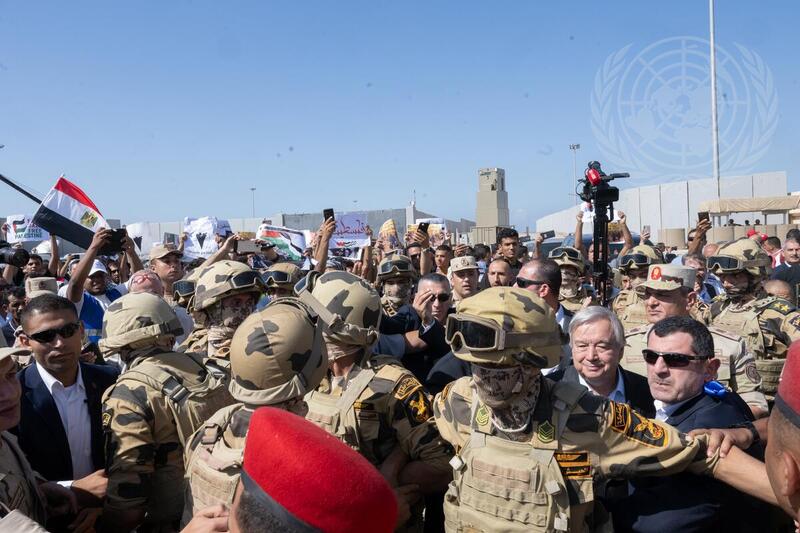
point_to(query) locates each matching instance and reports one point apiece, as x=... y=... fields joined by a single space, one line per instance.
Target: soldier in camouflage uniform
x=634 y=264
x=528 y=449
x=277 y=356
x=225 y=294
x=669 y=291
x=572 y=292
x=396 y=277
x=768 y=324
x=152 y=410
x=371 y=403
x=280 y=279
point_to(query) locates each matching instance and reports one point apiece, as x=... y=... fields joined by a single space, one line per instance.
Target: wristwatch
x=748 y=425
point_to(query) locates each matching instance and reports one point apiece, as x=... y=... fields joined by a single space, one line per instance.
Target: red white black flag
x=67 y=212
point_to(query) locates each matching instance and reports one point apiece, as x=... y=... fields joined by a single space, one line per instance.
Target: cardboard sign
x=290 y=243
x=19 y=228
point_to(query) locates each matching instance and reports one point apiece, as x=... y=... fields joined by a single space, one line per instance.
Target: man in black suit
x=60 y=429
x=681 y=368
x=597 y=340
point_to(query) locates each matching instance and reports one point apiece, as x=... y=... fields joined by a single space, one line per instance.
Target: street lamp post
x=253 y=190
x=575 y=148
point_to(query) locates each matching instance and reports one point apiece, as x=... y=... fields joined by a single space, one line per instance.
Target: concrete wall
x=675 y=204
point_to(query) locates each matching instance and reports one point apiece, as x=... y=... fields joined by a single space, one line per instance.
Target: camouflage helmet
x=566 y=256
x=396 y=266
x=523 y=327
x=291 y=271
x=741 y=255
x=222 y=279
x=640 y=258
x=137 y=320
x=277 y=354
x=349 y=306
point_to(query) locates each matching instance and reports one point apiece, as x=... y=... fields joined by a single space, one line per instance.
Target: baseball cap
x=21 y=355
x=670 y=277
x=98 y=266
x=37 y=286
x=464 y=262
x=350 y=496
x=159 y=251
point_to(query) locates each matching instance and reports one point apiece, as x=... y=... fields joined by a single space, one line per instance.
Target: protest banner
x=19 y=228
x=139 y=233
x=201 y=233
x=349 y=236
x=388 y=234
x=437 y=230
x=290 y=243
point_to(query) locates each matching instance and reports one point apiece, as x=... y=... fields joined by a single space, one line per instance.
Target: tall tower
x=491 y=211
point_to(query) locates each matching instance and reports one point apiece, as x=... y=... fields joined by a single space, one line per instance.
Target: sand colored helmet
x=222 y=279
x=640 y=258
x=137 y=320
x=741 y=255
x=277 y=354
x=396 y=266
x=568 y=256
x=505 y=325
x=282 y=276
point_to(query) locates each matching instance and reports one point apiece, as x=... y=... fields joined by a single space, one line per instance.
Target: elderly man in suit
x=597 y=341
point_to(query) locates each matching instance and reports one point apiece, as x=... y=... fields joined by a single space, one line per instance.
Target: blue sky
x=165 y=109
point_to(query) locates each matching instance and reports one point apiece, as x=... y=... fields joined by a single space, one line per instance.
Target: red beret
x=788 y=398
x=308 y=474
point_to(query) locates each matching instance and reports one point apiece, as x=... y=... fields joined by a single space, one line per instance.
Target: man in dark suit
x=681 y=367
x=60 y=429
x=597 y=340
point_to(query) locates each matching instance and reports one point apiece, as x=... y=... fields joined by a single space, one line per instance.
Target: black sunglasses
x=523 y=283
x=49 y=335
x=671 y=359
x=442 y=297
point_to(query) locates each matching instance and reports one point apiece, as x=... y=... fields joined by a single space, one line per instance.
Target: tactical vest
x=503 y=485
x=23 y=492
x=190 y=404
x=214 y=468
x=745 y=321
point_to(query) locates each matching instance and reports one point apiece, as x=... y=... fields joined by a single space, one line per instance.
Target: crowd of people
x=461 y=388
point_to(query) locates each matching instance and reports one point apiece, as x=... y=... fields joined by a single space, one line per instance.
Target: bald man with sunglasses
x=668 y=291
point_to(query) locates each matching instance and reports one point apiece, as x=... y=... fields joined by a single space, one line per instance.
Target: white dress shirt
x=665 y=410
x=617 y=395
x=74 y=412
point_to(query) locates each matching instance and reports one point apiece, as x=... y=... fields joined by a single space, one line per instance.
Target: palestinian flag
x=67 y=212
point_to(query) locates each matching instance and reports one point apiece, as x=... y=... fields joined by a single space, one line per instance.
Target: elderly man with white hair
x=597 y=340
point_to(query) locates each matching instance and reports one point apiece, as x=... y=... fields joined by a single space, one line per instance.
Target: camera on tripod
x=595 y=185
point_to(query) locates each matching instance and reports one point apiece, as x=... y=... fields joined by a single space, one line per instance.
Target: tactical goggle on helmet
x=334 y=324
x=183 y=288
x=274 y=277
x=242 y=280
x=639 y=260
x=397 y=264
x=476 y=334
x=571 y=253
x=727 y=264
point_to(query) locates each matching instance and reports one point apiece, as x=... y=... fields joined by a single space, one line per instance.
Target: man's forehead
x=434 y=285
x=37 y=319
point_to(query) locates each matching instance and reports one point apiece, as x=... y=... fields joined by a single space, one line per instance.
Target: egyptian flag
x=67 y=212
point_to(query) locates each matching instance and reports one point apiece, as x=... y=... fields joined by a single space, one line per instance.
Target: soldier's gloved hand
x=407 y=495
x=58 y=500
x=213 y=518
x=724 y=439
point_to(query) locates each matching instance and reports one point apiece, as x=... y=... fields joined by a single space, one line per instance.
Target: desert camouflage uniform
x=18 y=484
x=629 y=308
x=575 y=303
x=737 y=367
x=768 y=325
x=392 y=305
x=546 y=482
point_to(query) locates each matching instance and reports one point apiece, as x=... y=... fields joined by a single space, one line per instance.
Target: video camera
x=9 y=255
x=598 y=192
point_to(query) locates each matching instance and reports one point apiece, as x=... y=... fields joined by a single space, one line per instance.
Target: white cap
x=98 y=266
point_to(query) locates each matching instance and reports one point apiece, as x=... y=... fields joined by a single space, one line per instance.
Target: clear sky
x=160 y=110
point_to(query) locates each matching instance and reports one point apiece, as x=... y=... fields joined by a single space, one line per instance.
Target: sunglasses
x=49 y=335
x=391 y=266
x=572 y=253
x=276 y=276
x=523 y=283
x=441 y=297
x=671 y=359
x=726 y=263
x=635 y=259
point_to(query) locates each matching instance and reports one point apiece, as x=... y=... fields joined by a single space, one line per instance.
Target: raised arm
x=627 y=238
x=579 y=233
x=321 y=252
x=76 y=282
x=52 y=265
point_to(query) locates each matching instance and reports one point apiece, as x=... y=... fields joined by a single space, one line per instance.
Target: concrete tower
x=491 y=211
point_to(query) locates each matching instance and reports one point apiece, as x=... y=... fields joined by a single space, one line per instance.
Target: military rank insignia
x=482 y=415
x=574 y=465
x=636 y=427
x=546 y=432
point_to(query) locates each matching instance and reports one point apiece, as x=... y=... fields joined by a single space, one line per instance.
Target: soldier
x=634 y=265
x=768 y=324
x=277 y=356
x=280 y=279
x=225 y=294
x=572 y=293
x=148 y=416
x=527 y=449
x=396 y=277
x=670 y=291
x=371 y=403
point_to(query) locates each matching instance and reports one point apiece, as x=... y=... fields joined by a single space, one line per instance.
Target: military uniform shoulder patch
x=482 y=415
x=546 y=432
x=782 y=306
x=635 y=427
x=418 y=406
x=106 y=420
x=406 y=386
x=795 y=321
x=574 y=465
